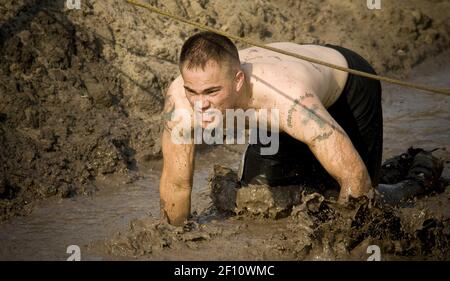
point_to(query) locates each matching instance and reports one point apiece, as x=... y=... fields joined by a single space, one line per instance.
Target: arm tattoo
x=311 y=114
x=323 y=136
x=292 y=108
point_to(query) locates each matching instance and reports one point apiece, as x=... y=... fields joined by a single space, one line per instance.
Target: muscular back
x=272 y=72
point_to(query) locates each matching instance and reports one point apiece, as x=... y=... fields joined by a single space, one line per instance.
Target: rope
x=312 y=60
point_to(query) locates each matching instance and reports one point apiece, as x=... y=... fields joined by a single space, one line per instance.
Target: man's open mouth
x=208 y=115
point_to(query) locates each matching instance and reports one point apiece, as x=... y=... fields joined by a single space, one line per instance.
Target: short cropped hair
x=204 y=46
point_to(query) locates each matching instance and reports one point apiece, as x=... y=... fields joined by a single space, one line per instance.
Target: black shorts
x=358 y=111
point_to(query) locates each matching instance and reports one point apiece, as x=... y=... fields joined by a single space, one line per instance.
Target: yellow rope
x=313 y=60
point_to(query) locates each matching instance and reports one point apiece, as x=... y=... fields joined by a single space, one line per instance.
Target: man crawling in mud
x=330 y=122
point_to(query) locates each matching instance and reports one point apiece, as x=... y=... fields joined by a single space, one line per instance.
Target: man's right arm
x=178 y=168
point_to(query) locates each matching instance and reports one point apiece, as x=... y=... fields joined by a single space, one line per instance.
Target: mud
x=81 y=90
x=64 y=119
x=405 y=177
x=255 y=199
x=314 y=228
x=80 y=99
x=317 y=229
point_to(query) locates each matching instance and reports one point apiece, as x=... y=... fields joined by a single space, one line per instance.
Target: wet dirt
x=80 y=96
x=81 y=90
x=299 y=224
x=57 y=223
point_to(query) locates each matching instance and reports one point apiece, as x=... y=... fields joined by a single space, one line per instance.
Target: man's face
x=210 y=89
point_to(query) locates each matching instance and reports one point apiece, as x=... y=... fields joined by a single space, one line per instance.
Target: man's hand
x=357 y=186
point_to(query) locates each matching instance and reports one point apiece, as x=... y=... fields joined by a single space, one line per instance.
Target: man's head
x=210 y=67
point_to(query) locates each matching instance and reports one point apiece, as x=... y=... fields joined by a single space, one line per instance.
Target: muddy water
x=57 y=223
x=411 y=119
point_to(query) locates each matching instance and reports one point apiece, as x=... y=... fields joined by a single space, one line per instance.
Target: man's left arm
x=309 y=121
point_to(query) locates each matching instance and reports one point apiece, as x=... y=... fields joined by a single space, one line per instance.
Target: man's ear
x=239 y=80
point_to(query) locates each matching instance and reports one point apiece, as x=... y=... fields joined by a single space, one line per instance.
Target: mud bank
x=81 y=90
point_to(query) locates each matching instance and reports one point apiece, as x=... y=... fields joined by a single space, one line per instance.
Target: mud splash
x=313 y=228
x=317 y=229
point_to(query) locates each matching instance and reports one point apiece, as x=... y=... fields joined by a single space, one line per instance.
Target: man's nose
x=204 y=103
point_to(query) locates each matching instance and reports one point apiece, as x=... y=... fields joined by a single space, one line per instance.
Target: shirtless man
x=328 y=119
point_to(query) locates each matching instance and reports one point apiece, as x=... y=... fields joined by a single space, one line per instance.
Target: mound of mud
x=296 y=222
x=64 y=118
x=344 y=232
x=317 y=229
x=255 y=200
x=81 y=90
x=415 y=172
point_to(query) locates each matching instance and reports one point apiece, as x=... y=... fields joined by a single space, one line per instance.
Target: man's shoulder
x=176 y=93
x=175 y=86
